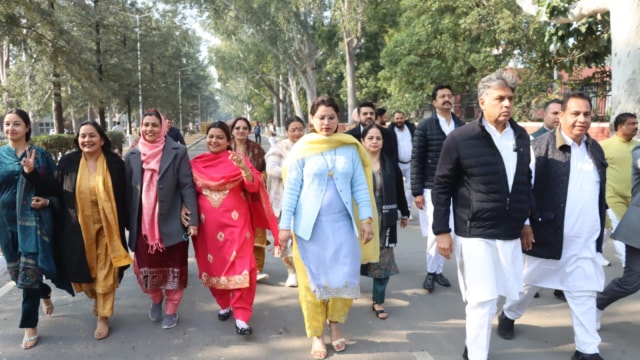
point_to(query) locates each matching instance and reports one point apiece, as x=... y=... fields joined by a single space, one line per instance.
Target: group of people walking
x=518 y=214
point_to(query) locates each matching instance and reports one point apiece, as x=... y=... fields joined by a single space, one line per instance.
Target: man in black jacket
x=403 y=131
x=568 y=225
x=484 y=171
x=367 y=115
x=427 y=143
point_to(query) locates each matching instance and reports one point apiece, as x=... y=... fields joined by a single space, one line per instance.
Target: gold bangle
x=366 y=221
x=245 y=174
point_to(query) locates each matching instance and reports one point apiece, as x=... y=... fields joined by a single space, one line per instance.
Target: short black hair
x=575 y=95
x=621 y=119
x=106 y=146
x=366 y=104
x=552 y=101
x=380 y=111
x=439 y=87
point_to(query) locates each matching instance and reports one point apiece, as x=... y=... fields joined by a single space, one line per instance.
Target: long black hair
x=25 y=117
x=106 y=147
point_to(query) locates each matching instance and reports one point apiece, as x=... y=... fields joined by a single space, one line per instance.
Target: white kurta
x=578 y=269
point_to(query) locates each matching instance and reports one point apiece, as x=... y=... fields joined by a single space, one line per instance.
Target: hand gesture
x=29 y=161
x=445 y=245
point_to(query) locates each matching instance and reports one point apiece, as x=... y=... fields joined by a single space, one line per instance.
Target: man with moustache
x=568 y=222
x=484 y=171
x=617 y=152
x=381 y=117
x=366 y=116
x=427 y=143
x=403 y=131
x=551 y=117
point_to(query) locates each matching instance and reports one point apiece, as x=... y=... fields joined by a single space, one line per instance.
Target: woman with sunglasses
x=240 y=129
x=160 y=195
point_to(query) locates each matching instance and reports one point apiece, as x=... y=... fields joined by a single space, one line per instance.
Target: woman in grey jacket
x=160 y=189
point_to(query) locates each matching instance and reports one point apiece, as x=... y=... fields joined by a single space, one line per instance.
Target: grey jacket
x=175 y=187
x=628 y=230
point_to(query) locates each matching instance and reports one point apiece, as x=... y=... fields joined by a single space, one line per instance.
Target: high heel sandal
x=47 y=306
x=339 y=344
x=318 y=353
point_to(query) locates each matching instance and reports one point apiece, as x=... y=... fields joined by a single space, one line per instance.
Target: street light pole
x=180 y=91
x=139 y=62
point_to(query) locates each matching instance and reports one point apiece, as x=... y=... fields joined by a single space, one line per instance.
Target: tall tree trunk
x=625 y=55
x=4 y=70
x=58 y=119
x=350 y=29
x=295 y=100
x=99 y=66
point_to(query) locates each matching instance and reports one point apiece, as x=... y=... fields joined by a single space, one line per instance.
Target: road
x=420 y=326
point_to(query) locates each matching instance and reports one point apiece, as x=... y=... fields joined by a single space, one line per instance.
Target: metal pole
x=139 y=69
x=180 y=91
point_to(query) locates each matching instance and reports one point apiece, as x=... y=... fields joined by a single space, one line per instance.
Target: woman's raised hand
x=29 y=161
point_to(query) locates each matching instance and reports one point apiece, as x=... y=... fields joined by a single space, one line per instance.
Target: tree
x=457 y=43
x=624 y=17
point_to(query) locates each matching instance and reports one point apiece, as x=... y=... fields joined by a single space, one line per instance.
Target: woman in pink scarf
x=232 y=203
x=159 y=188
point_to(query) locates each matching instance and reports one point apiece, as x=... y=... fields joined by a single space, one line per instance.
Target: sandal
x=47 y=306
x=102 y=328
x=318 y=353
x=339 y=344
x=380 y=313
x=29 y=341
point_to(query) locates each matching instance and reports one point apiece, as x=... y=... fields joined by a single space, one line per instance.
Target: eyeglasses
x=240 y=128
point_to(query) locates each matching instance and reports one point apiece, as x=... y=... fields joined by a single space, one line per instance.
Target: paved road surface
x=420 y=326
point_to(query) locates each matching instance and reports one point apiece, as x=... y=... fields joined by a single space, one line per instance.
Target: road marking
x=422 y=355
x=6 y=288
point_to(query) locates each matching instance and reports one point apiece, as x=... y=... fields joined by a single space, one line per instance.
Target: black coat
x=72 y=252
x=553 y=162
x=471 y=173
x=427 y=143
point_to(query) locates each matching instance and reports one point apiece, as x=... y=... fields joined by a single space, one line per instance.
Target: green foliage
x=585 y=43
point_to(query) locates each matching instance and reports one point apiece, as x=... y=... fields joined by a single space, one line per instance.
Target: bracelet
x=366 y=221
x=245 y=174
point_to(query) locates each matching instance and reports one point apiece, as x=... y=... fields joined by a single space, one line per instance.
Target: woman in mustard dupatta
x=232 y=203
x=91 y=195
x=325 y=176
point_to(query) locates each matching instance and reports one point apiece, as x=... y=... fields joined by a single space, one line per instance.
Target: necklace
x=331 y=165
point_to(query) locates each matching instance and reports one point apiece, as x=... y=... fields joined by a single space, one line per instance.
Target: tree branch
x=578 y=11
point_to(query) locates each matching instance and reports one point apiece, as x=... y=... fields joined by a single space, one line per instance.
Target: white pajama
x=487 y=269
x=435 y=261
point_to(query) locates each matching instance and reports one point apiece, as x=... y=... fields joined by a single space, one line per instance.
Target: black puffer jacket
x=427 y=143
x=471 y=172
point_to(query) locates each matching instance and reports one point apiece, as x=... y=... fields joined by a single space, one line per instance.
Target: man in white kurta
x=484 y=172
x=577 y=272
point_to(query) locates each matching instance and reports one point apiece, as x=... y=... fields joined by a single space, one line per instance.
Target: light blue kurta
x=332 y=254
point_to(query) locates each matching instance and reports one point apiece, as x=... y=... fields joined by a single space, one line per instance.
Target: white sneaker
x=598 y=318
x=292 y=281
x=262 y=276
x=601 y=259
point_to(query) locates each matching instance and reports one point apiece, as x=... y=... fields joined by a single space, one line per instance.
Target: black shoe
x=505 y=327
x=429 y=281
x=560 y=295
x=225 y=316
x=465 y=355
x=442 y=281
x=244 y=331
x=580 y=356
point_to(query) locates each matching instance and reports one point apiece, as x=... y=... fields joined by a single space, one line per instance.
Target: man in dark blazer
x=403 y=131
x=367 y=115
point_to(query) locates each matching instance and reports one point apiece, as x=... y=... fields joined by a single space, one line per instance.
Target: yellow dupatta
x=108 y=210
x=314 y=143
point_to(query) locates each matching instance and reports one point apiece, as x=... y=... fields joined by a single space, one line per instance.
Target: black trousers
x=623 y=286
x=31 y=305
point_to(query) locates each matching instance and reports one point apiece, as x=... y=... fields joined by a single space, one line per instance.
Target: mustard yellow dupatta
x=313 y=143
x=108 y=210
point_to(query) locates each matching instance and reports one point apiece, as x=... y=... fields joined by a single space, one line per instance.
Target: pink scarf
x=151 y=154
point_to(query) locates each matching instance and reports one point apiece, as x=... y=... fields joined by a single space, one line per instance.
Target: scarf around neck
x=314 y=143
x=151 y=156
